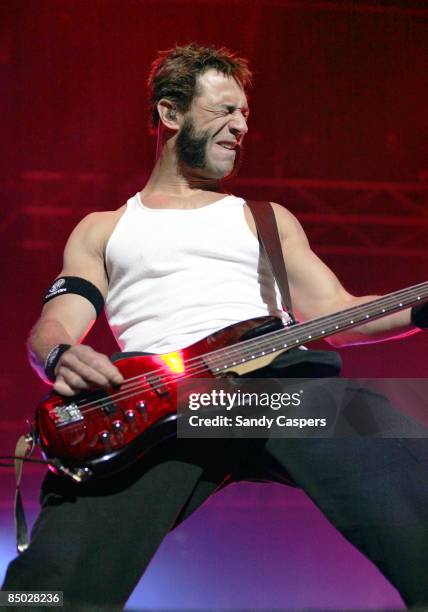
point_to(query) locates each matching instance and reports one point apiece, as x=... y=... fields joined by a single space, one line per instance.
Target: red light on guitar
x=174 y=361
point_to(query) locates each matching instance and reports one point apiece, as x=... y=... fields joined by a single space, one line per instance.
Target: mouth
x=227 y=145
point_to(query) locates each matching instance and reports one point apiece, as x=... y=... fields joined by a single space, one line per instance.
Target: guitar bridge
x=65 y=415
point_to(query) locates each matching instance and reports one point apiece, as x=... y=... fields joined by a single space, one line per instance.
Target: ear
x=168 y=114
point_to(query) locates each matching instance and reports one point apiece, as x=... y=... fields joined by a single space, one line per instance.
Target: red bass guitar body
x=102 y=431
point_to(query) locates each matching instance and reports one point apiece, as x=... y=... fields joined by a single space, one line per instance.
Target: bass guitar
x=98 y=432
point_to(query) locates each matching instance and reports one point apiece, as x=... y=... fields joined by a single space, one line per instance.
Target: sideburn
x=191 y=149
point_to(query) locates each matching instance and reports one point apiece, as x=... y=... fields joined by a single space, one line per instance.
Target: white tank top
x=177 y=275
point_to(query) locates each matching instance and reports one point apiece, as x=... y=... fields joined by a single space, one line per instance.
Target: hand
x=80 y=368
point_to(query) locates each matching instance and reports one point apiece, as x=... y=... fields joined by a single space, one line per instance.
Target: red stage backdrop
x=338 y=133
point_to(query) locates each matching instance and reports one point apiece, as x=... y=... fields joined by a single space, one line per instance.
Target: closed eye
x=229 y=110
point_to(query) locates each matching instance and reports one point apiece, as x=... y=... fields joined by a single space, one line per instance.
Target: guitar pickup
x=108 y=407
x=158 y=386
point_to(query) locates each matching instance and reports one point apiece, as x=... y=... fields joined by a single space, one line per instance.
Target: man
x=180 y=261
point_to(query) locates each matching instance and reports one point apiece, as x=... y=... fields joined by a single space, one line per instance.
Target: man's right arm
x=66 y=319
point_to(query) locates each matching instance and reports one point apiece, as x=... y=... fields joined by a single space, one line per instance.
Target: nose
x=238 y=125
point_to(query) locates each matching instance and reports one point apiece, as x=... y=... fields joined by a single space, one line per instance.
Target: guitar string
x=362 y=309
x=256 y=343
x=140 y=392
x=264 y=341
x=240 y=347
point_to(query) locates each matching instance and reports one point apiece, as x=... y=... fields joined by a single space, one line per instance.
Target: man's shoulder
x=99 y=220
x=280 y=210
x=96 y=227
x=102 y=217
x=282 y=214
x=288 y=224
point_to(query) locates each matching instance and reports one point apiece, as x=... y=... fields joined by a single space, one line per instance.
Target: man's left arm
x=316 y=291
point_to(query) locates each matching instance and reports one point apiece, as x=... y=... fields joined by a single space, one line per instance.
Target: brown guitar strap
x=267 y=230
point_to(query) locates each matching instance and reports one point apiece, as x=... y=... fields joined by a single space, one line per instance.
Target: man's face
x=210 y=139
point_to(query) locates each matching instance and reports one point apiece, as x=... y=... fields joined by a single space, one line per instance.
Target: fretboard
x=322 y=327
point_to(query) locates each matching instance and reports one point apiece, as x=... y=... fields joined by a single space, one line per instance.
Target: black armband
x=53 y=358
x=79 y=286
x=419 y=315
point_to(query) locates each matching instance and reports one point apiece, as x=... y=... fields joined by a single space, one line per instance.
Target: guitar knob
x=142 y=408
x=104 y=437
x=131 y=417
x=117 y=426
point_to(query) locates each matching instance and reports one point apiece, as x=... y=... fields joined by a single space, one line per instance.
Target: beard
x=191 y=147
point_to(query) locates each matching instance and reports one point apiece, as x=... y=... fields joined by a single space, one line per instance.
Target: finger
x=72 y=379
x=99 y=364
x=85 y=371
x=103 y=364
x=61 y=387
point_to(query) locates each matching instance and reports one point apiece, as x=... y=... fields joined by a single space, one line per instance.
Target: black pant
x=94 y=541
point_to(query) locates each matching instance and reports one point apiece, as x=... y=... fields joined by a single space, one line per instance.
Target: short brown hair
x=173 y=74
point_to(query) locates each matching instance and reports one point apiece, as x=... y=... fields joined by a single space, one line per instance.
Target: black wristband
x=53 y=358
x=419 y=315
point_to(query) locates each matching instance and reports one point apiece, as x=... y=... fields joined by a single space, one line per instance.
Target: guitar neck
x=322 y=327
x=357 y=315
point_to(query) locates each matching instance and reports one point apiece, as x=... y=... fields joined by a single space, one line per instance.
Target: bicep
x=83 y=258
x=315 y=289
